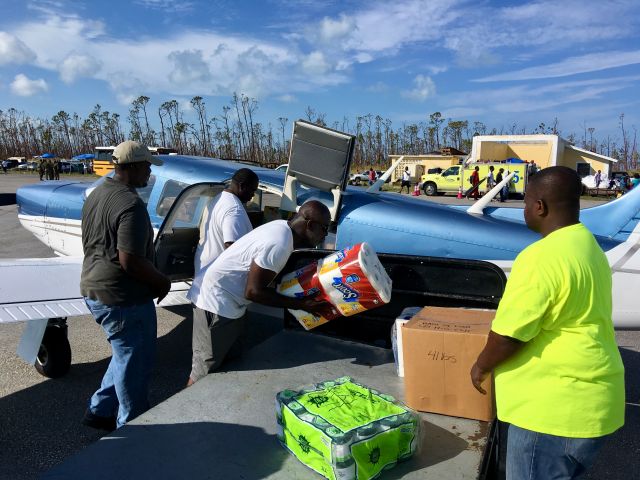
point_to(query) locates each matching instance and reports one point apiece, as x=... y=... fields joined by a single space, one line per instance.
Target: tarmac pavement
x=40 y=418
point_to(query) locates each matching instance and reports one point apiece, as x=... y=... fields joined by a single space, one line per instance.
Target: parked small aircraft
x=179 y=191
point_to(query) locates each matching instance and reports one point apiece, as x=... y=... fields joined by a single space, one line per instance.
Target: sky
x=498 y=62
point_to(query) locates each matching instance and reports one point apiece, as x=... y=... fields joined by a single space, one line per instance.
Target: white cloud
x=592 y=62
x=423 y=88
x=188 y=66
x=331 y=30
x=25 y=87
x=315 y=63
x=13 y=50
x=287 y=98
x=78 y=65
x=528 y=98
x=170 y=6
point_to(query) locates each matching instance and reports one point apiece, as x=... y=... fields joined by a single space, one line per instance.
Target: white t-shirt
x=227 y=221
x=225 y=280
x=405 y=176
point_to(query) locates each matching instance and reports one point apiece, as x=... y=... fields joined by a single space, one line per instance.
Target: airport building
x=543 y=150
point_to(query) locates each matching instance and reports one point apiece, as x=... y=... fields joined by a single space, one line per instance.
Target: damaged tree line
x=235 y=133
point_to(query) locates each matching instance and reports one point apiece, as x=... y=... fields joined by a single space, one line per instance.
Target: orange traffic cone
x=416 y=190
x=459 y=192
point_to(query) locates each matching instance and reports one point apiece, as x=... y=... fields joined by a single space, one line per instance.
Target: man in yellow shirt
x=559 y=378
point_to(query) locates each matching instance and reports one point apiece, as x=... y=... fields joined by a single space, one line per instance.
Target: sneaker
x=100 y=423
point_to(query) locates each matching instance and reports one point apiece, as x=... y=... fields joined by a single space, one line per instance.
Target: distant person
x=635 y=181
x=491 y=181
x=243 y=273
x=56 y=169
x=475 y=183
x=598 y=178
x=226 y=223
x=499 y=178
x=559 y=378
x=49 y=169
x=406 y=180
x=41 y=169
x=372 y=176
x=119 y=282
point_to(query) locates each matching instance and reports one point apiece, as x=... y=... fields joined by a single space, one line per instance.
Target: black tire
x=54 y=356
x=430 y=189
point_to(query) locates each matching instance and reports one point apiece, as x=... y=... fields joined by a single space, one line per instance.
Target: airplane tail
x=616 y=219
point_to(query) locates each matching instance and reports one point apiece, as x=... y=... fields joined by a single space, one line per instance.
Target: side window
x=263 y=207
x=169 y=193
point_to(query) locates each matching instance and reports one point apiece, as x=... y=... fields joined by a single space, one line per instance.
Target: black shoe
x=101 y=423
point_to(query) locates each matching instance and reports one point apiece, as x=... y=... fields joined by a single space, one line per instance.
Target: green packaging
x=344 y=430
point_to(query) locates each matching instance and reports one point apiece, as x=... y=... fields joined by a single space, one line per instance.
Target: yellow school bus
x=103 y=163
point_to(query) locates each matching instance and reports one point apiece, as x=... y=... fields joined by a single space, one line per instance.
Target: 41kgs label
x=437 y=356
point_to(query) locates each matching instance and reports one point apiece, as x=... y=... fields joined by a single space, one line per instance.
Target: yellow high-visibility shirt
x=568 y=379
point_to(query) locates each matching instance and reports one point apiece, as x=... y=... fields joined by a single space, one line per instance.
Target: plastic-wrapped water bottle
x=283 y=398
x=321 y=423
x=300 y=412
x=367 y=431
x=345 y=470
x=341 y=442
x=280 y=431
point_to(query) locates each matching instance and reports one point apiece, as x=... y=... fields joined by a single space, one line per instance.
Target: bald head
x=552 y=199
x=311 y=224
x=314 y=210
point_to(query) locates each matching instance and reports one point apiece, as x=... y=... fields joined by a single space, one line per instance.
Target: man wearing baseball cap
x=119 y=282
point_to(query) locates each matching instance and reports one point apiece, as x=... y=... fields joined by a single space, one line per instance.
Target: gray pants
x=214 y=336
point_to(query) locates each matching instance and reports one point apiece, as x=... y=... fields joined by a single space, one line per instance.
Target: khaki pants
x=214 y=337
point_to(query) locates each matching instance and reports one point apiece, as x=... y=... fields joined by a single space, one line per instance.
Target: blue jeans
x=539 y=456
x=132 y=333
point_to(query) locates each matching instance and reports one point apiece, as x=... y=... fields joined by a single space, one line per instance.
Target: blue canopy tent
x=47 y=155
x=84 y=156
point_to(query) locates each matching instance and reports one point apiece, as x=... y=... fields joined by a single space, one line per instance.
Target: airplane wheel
x=54 y=356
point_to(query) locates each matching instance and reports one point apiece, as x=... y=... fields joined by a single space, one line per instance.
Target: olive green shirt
x=114 y=218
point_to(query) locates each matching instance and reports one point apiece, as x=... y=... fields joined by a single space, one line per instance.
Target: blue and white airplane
x=179 y=191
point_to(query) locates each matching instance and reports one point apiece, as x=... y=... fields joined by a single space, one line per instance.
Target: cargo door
x=178 y=237
x=417 y=281
x=320 y=158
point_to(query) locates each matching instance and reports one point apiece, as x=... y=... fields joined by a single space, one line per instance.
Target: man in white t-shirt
x=243 y=272
x=406 y=180
x=226 y=222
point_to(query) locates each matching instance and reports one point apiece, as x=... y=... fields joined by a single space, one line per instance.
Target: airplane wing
x=42 y=288
x=36 y=290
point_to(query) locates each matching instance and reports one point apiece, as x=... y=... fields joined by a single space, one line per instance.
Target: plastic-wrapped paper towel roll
x=352 y=280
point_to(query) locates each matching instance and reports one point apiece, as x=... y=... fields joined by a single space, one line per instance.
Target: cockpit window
x=144 y=192
x=171 y=190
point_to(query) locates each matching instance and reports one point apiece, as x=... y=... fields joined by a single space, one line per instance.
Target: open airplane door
x=178 y=237
x=319 y=158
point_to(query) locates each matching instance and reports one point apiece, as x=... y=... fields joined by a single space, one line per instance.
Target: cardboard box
x=440 y=346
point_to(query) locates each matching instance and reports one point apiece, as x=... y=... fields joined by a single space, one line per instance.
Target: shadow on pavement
x=619 y=457
x=40 y=426
x=186 y=450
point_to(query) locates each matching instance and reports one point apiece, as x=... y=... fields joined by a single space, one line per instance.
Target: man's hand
x=498 y=349
x=478 y=376
x=317 y=307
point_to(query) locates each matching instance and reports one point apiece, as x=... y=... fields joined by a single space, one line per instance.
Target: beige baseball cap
x=134 y=152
